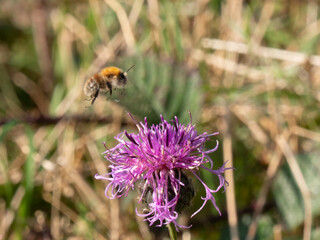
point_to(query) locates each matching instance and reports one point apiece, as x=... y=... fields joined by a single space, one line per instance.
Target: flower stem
x=172 y=231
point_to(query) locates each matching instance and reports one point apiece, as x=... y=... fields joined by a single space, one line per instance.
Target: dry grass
x=260 y=69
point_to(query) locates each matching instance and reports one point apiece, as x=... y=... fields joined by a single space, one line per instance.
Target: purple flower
x=157 y=160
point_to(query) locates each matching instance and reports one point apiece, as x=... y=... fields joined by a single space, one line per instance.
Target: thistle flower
x=157 y=159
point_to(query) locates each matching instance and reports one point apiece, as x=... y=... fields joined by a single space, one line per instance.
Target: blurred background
x=248 y=69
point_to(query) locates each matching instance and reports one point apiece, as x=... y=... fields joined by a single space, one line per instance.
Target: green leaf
x=286 y=192
x=264 y=230
x=28 y=177
x=7 y=186
x=57 y=97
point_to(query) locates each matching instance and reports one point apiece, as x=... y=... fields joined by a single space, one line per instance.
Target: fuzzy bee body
x=107 y=79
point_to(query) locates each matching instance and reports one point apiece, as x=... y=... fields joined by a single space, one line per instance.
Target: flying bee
x=105 y=80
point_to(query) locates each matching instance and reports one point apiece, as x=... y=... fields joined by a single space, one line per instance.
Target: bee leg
x=95 y=96
x=110 y=89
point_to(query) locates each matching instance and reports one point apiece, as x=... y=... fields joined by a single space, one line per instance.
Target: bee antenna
x=130 y=68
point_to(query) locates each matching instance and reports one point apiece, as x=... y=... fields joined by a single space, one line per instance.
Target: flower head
x=157 y=159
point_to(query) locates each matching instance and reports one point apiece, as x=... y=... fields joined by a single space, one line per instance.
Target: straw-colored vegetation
x=248 y=69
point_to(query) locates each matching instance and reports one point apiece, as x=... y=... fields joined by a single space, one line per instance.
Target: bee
x=105 y=80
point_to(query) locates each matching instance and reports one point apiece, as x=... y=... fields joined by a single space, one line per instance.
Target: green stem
x=172 y=231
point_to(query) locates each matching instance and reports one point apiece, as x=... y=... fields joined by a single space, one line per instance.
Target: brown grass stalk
x=124 y=23
x=230 y=192
x=271 y=172
x=302 y=185
x=265 y=52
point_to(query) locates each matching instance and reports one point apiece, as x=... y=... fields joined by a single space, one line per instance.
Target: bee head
x=123 y=77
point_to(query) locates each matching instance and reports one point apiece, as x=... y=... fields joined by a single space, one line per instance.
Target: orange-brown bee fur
x=105 y=80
